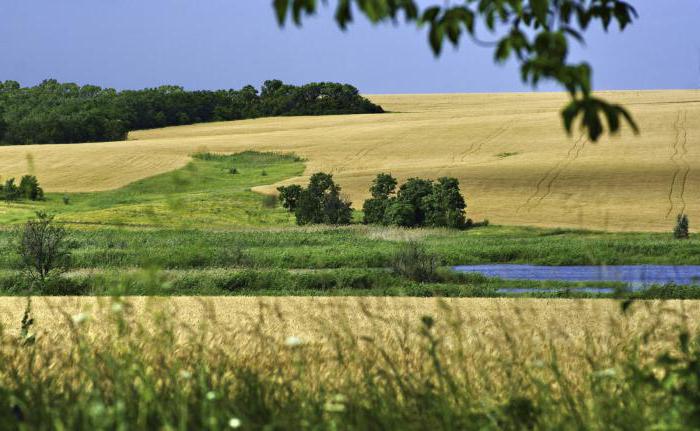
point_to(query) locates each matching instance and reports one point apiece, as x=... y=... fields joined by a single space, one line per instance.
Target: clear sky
x=208 y=44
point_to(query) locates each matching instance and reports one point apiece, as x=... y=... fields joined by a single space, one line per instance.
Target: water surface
x=634 y=275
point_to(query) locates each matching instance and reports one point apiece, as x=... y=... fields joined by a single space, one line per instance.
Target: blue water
x=635 y=275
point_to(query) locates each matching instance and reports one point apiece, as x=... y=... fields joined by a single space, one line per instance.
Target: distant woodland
x=54 y=112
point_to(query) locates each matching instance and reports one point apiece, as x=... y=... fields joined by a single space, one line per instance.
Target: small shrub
x=233 y=171
x=263 y=173
x=414 y=262
x=681 y=231
x=269 y=201
x=29 y=188
x=66 y=199
x=10 y=191
x=43 y=248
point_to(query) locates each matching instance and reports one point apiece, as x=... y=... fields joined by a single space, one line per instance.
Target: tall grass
x=142 y=365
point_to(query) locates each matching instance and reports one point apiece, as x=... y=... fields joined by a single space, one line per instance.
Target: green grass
x=203 y=218
x=202 y=194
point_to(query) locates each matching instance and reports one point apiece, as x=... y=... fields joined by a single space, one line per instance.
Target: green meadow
x=200 y=230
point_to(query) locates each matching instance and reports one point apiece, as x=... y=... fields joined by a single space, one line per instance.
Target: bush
x=319 y=203
x=43 y=248
x=289 y=196
x=10 y=191
x=400 y=213
x=374 y=210
x=29 y=188
x=415 y=263
x=681 y=231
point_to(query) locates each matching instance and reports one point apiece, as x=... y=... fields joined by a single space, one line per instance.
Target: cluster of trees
x=54 y=112
x=418 y=202
x=319 y=203
x=28 y=188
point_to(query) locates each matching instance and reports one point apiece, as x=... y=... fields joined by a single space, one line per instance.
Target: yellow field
x=515 y=163
x=487 y=327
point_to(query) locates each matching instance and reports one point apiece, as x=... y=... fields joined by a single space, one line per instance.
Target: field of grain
x=515 y=163
x=315 y=363
x=566 y=322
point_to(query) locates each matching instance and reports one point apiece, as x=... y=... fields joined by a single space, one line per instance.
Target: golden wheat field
x=480 y=331
x=515 y=163
x=313 y=318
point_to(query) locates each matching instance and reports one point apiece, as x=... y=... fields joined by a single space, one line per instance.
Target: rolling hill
x=515 y=163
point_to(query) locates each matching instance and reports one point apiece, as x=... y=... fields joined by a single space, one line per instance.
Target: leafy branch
x=535 y=33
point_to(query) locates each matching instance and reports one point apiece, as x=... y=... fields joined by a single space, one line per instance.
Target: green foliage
x=29 y=188
x=54 y=112
x=419 y=202
x=681 y=231
x=383 y=186
x=400 y=213
x=43 y=248
x=319 y=203
x=10 y=191
x=289 y=196
x=412 y=261
x=535 y=33
x=374 y=211
x=444 y=207
x=412 y=193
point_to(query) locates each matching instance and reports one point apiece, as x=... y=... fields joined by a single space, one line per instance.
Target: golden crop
x=515 y=163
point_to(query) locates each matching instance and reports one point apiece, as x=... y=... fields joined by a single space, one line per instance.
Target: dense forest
x=53 y=112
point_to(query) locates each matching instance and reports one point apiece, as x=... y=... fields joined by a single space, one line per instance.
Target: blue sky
x=208 y=44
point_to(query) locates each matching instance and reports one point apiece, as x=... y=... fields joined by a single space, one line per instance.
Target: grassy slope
x=625 y=183
x=202 y=194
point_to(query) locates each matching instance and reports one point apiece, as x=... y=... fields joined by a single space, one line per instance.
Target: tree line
x=54 y=112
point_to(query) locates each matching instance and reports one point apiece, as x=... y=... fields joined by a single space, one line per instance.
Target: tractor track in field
x=679 y=159
x=478 y=145
x=554 y=173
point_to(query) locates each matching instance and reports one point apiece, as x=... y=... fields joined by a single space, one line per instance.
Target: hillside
x=515 y=163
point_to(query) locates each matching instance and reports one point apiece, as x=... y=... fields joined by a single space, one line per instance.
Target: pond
x=637 y=276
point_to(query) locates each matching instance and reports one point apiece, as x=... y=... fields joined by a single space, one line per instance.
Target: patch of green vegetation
x=506 y=154
x=203 y=231
x=202 y=194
